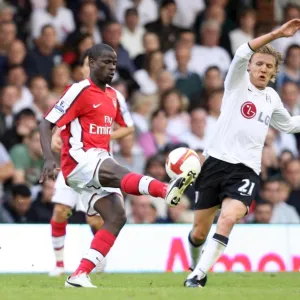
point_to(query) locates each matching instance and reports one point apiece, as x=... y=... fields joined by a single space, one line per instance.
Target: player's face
x=85 y=69
x=262 y=68
x=105 y=66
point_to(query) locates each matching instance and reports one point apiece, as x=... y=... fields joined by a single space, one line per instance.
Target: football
x=182 y=160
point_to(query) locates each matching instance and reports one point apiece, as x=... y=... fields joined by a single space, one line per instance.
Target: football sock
x=196 y=250
x=100 y=246
x=136 y=184
x=58 y=232
x=213 y=250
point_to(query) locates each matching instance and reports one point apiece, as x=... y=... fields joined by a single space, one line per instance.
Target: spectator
x=111 y=35
x=262 y=213
x=187 y=82
x=140 y=210
x=42 y=207
x=214 y=54
x=165 y=81
x=41 y=96
x=61 y=78
x=147 y=10
x=284 y=157
x=28 y=160
x=245 y=32
x=213 y=106
x=6 y=168
x=291 y=11
x=290 y=71
x=17 y=76
x=130 y=155
x=16 y=209
x=17 y=53
x=155 y=167
x=141 y=110
x=151 y=44
x=292 y=176
x=82 y=42
x=44 y=56
x=174 y=105
x=8 y=33
x=24 y=122
x=196 y=138
x=289 y=94
x=168 y=33
x=132 y=34
x=87 y=25
x=9 y=97
x=146 y=78
x=212 y=80
x=6 y=12
x=60 y=17
x=157 y=138
x=273 y=191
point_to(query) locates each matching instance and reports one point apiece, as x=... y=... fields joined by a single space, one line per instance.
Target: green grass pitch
x=229 y=286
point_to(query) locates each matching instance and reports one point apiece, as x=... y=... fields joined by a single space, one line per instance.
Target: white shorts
x=65 y=195
x=84 y=179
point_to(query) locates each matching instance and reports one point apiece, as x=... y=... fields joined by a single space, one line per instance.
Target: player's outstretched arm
x=50 y=163
x=286 y=30
x=121 y=132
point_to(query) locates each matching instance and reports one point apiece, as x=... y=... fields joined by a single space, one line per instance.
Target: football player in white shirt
x=230 y=175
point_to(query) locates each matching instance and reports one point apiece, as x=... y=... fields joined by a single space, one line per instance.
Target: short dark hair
x=20 y=190
x=45 y=27
x=263 y=202
x=131 y=11
x=26 y=112
x=97 y=50
x=212 y=68
x=165 y=3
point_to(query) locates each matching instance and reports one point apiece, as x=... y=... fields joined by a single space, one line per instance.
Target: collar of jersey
x=92 y=83
x=255 y=90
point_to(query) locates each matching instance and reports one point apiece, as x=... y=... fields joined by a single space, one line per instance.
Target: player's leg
x=58 y=224
x=112 y=211
x=95 y=222
x=111 y=174
x=203 y=220
x=232 y=212
x=65 y=200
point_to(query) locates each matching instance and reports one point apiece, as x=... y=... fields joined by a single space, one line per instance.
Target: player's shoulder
x=75 y=89
x=112 y=92
x=272 y=93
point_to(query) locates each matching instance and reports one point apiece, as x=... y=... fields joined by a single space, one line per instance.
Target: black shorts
x=219 y=179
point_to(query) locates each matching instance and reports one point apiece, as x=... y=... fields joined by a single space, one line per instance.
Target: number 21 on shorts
x=247 y=188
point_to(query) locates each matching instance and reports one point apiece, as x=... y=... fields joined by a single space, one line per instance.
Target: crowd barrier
x=151 y=248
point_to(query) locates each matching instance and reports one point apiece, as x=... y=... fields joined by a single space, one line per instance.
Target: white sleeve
x=238 y=68
x=282 y=121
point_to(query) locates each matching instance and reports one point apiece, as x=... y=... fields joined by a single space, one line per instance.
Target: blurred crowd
x=173 y=56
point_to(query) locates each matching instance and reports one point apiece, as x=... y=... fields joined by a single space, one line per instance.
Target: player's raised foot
x=178 y=185
x=57 y=271
x=195 y=282
x=81 y=280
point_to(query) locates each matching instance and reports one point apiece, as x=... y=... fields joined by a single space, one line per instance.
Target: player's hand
x=56 y=144
x=289 y=28
x=49 y=170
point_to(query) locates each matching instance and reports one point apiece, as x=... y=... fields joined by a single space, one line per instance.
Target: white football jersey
x=246 y=114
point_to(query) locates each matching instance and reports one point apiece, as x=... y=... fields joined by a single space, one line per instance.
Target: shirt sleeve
x=238 y=68
x=282 y=120
x=19 y=156
x=4 y=156
x=123 y=117
x=70 y=105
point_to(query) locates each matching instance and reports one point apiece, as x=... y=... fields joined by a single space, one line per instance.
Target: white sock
x=58 y=247
x=213 y=250
x=195 y=251
x=94 y=256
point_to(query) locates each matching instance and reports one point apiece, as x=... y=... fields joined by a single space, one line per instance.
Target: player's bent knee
x=198 y=235
x=61 y=213
x=227 y=221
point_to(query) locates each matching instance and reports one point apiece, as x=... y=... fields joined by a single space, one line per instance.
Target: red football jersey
x=88 y=114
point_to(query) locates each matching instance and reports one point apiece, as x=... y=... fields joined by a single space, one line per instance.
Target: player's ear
x=91 y=62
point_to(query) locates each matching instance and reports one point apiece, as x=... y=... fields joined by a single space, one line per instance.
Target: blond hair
x=269 y=49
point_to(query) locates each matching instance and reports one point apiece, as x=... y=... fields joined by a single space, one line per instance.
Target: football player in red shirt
x=87 y=110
